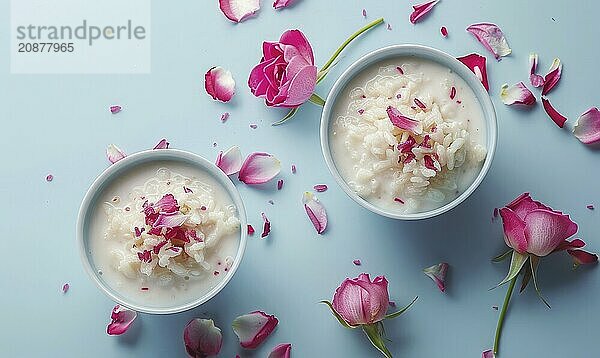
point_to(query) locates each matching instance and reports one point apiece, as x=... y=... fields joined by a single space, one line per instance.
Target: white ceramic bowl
x=416 y=51
x=130 y=163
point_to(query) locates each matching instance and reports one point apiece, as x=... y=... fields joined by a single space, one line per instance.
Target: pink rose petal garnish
x=170 y=220
x=403 y=122
x=356 y=262
x=259 y=168
x=121 y=319
x=239 y=10
x=535 y=79
x=421 y=10
x=230 y=161
x=49 y=177
x=65 y=288
x=438 y=274
x=253 y=126
x=250 y=230
x=280 y=4
x=280 y=184
x=253 y=328
x=587 y=127
x=114 y=154
x=115 y=109
x=282 y=350
x=487 y=354
x=516 y=94
x=552 y=77
x=590 y=206
x=320 y=188
x=162 y=144
x=364 y=12
x=476 y=63
x=266 y=226
x=558 y=118
x=398 y=200
x=293 y=168
x=315 y=211
x=444 y=31
x=202 y=338
x=399 y=69
x=419 y=103
x=224 y=117
x=491 y=37
x=452 y=92
x=219 y=84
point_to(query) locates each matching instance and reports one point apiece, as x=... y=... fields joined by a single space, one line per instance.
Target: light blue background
x=61 y=125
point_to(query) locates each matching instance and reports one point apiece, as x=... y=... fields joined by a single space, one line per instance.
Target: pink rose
x=360 y=301
x=286 y=75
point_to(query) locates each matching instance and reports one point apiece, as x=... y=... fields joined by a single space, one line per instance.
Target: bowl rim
x=128 y=163
x=417 y=51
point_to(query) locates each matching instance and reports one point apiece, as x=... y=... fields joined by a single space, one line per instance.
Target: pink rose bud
x=360 y=301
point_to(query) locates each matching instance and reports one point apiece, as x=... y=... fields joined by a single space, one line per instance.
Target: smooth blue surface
x=61 y=125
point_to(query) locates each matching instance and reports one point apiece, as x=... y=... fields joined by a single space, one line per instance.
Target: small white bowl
x=416 y=51
x=130 y=163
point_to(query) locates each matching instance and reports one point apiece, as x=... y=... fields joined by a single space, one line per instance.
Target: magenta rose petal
x=202 y=338
x=253 y=328
x=535 y=79
x=420 y=10
x=587 y=127
x=583 y=257
x=487 y=354
x=280 y=184
x=444 y=31
x=162 y=144
x=403 y=122
x=266 y=226
x=170 y=220
x=114 y=154
x=49 y=177
x=476 y=63
x=514 y=230
x=517 y=94
x=558 y=118
x=250 y=230
x=491 y=37
x=315 y=211
x=219 y=84
x=320 y=188
x=357 y=262
x=259 y=168
x=65 y=288
x=280 y=4
x=590 y=206
x=230 y=161
x=552 y=77
x=282 y=350
x=115 y=109
x=438 y=274
x=546 y=230
x=121 y=320
x=239 y=10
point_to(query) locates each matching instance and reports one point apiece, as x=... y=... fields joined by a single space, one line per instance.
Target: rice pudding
x=408 y=135
x=164 y=234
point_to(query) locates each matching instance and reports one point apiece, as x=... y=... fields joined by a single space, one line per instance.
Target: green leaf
x=316 y=99
x=526 y=279
x=337 y=315
x=287 y=116
x=516 y=264
x=534 y=261
x=396 y=314
x=373 y=331
x=502 y=257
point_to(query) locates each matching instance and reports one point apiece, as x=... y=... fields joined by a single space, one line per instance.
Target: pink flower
x=360 y=301
x=286 y=75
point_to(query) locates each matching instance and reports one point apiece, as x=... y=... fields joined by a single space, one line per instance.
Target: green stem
x=316 y=99
x=347 y=42
x=503 y=313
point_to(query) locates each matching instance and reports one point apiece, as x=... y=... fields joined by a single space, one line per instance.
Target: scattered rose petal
x=590 y=206
x=364 y=12
x=253 y=126
x=315 y=211
x=398 y=200
x=239 y=10
x=558 y=118
x=535 y=79
x=266 y=226
x=421 y=10
x=552 y=77
x=115 y=109
x=280 y=4
x=280 y=184
x=162 y=144
x=259 y=168
x=404 y=122
x=389 y=27
x=444 y=31
x=114 y=154
x=452 y=92
x=230 y=161
x=253 y=328
x=320 y=188
x=587 y=127
x=121 y=319
x=516 y=94
x=202 y=338
x=282 y=350
x=219 y=84
x=476 y=63
x=224 y=117
x=250 y=230
x=49 y=177
x=583 y=257
x=357 y=262
x=487 y=354
x=293 y=168
x=438 y=274
x=65 y=288
x=491 y=37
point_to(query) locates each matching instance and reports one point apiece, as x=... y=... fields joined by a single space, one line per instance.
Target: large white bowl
x=416 y=51
x=130 y=163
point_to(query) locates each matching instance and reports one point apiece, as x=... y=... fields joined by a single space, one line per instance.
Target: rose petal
x=253 y=328
x=170 y=220
x=280 y=184
x=523 y=204
x=115 y=109
x=114 y=154
x=259 y=168
x=558 y=118
x=315 y=211
x=320 y=188
x=570 y=245
x=219 y=84
x=293 y=168
x=476 y=63
x=224 y=117
x=444 y=31
x=202 y=338
x=250 y=230
x=438 y=274
x=491 y=37
x=546 y=230
x=230 y=161
x=404 y=122
x=65 y=288
x=356 y=262
x=282 y=350
x=590 y=206
x=535 y=79
x=279 y=4
x=514 y=230
x=587 y=127
x=364 y=12
x=121 y=319
x=516 y=94
x=163 y=144
x=49 y=177
x=583 y=257
x=552 y=77
x=266 y=226
x=166 y=205
x=487 y=354
x=421 y=10
x=239 y=10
